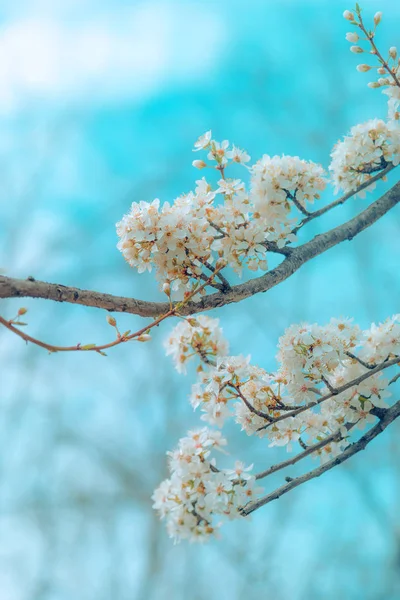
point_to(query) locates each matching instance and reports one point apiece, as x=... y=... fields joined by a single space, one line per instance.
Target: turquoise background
x=100 y=103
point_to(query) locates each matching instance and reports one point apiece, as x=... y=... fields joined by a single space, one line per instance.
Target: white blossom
x=369 y=148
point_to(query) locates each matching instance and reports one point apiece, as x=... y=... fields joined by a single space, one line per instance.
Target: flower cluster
x=328 y=383
x=197 y=490
x=198 y=336
x=369 y=148
x=313 y=360
x=225 y=222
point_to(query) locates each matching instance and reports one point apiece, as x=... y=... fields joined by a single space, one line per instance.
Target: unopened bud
x=192 y=322
x=166 y=288
x=145 y=337
x=348 y=15
x=199 y=164
x=363 y=68
x=22 y=311
x=374 y=84
x=381 y=70
x=352 y=37
x=356 y=49
x=383 y=81
x=377 y=18
x=393 y=52
x=111 y=321
x=221 y=263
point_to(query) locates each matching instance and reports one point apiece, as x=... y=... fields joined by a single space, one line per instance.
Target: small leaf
x=101 y=352
x=88 y=347
x=19 y=323
x=126 y=333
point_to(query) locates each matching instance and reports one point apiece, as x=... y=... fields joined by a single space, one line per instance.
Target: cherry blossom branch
x=18 y=288
x=388 y=416
x=345 y=197
x=335 y=391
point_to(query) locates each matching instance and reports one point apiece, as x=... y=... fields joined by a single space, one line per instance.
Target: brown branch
x=335 y=391
x=389 y=416
x=295 y=459
x=18 y=288
x=127 y=337
x=362 y=362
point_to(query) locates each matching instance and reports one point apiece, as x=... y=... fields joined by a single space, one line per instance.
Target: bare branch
x=18 y=288
x=390 y=415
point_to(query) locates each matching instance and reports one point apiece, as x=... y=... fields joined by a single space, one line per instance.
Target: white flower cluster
x=197 y=490
x=369 y=148
x=194 y=337
x=226 y=222
x=394 y=101
x=313 y=360
x=279 y=179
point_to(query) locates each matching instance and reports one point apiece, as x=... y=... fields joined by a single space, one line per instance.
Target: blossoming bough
x=331 y=380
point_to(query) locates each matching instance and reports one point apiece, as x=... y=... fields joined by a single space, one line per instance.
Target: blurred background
x=100 y=103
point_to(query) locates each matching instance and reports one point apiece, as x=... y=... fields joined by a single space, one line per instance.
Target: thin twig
x=362 y=362
x=344 y=198
x=295 y=459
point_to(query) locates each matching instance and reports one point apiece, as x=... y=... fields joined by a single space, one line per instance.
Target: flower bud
x=363 y=68
x=111 y=321
x=221 y=263
x=352 y=37
x=383 y=81
x=377 y=18
x=199 y=164
x=356 y=49
x=22 y=311
x=393 y=52
x=145 y=337
x=374 y=84
x=348 y=15
x=381 y=70
x=166 y=288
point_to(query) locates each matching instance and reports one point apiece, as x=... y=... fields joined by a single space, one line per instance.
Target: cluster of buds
x=388 y=69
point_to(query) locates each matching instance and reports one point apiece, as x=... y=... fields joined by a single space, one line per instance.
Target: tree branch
x=389 y=416
x=18 y=288
x=345 y=197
